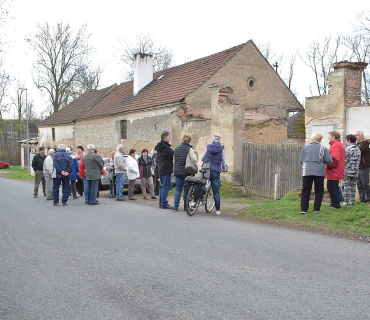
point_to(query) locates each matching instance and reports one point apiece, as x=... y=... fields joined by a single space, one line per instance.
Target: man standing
x=353 y=155
x=38 y=167
x=335 y=171
x=63 y=167
x=48 y=172
x=93 y=165
x=165 y=168
x=120 y=167
x=363 y=174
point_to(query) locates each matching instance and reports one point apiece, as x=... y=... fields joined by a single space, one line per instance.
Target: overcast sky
x=192 y=29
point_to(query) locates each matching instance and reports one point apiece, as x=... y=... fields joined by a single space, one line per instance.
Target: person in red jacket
x=335 y=171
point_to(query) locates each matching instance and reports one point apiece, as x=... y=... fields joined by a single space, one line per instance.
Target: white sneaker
x=345 y=204
x=218 y=212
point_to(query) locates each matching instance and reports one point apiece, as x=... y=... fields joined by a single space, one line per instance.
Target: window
x=123 y=129
x=251 y=83
x=53 y=134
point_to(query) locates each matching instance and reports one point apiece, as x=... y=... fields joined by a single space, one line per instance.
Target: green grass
x=355 y=218
x=17 y=173
x=227 y=190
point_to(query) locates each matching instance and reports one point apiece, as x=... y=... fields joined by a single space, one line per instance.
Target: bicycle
x=193 y=185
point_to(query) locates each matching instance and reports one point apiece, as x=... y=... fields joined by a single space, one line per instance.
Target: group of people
x=350 y=164
x=81 y=173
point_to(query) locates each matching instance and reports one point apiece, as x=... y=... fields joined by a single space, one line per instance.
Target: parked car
x=105 y=183
x=4 y=165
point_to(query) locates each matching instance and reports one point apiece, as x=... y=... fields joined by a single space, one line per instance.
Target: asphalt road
x=121 y=260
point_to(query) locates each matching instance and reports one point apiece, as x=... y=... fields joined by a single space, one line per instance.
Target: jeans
x=92 y=190
x=363 y=184
x=216 y=184
x=120 y=179
x=306 y=192
x=85 y=190
x=164 y=187
x=333 y=189
x=112 y=186
x=65 y=189
x=180 y=184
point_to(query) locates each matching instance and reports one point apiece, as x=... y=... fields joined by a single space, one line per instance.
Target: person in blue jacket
x=73 y=176
x=63 y=166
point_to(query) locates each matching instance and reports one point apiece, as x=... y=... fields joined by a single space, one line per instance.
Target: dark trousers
x=363 y=184
x=80 y=186
x=65 y=189
x=306 y=192
x=333 y=189
x=131 y=187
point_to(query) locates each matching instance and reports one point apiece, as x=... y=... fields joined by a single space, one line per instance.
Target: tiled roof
x=168 y=86
x=296 y=125
x=76 y=108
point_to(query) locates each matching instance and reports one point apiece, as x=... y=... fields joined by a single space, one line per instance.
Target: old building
x=234 y=92
x=340 y=110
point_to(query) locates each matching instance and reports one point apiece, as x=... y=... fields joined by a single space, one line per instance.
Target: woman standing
x=132 y=173
x=80 y=182
x=109 y=165
x=145 y=164
x=314 y=156
x=214 y=153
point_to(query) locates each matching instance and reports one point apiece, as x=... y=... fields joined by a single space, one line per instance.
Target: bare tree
x=62 y=62
x=278 y=62
x=146 y=44
x=321 y=54
x=359 y=46
x=4 y=76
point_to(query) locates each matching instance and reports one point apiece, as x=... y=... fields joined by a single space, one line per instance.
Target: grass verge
x=227 y=190
x=355 y=218
x=17 y=173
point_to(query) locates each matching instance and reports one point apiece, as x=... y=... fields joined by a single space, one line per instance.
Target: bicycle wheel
x=210 y=201
x=191 y=203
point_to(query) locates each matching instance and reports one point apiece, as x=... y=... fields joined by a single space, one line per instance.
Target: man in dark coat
x=93 y=165
x=363 y=174
x=63 y=166
x=165 y=168
x=38 y=167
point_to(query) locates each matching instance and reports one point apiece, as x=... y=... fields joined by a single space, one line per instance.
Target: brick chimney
x=143 y=71
x=351 y=72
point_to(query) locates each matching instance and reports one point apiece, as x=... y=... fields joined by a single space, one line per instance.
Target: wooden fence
x=271 y=170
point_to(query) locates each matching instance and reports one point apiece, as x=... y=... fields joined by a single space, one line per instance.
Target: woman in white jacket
x=48 y=172
x=132 y=173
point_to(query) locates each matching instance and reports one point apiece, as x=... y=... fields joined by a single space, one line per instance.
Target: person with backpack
x=179 y=159
x=215 y=154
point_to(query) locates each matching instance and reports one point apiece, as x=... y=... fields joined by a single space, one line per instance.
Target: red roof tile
x=76 y=108
x=174 y=85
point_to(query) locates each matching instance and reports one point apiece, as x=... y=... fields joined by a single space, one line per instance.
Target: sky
x=192 y=29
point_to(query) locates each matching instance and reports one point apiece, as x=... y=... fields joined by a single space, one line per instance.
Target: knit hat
x=216 y=137
x=80 y=147
x=68 y=150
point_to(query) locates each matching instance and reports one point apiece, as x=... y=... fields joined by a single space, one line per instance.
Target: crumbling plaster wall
x=344 y=92
x=64 y=134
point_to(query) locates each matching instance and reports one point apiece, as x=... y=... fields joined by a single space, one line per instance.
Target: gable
x=249 y=65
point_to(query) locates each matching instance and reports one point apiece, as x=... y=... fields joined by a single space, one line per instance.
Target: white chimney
x=143 y=71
